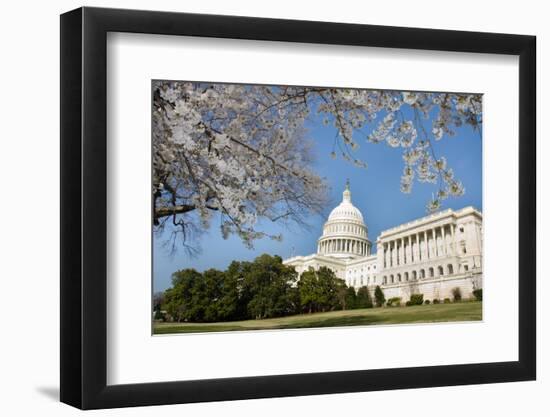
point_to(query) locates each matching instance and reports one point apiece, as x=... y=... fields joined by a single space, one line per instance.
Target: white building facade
x=431 y=255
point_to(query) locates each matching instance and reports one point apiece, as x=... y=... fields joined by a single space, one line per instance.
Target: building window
x=406 y=276
x=414 y=275
x=399 y=277
x=450 y=269
x=431 y=271
x=465 y=268
x=440 y=270
x=422 y=274
x=385 y=280
x=392 y=279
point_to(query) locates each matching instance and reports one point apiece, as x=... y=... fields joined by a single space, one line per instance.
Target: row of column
x=342 y=245
x=420 y=246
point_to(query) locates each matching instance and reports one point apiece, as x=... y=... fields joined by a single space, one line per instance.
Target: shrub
x=478 y=294
x=417 y=299
x=408 y=303
x=436 y=301
x=394 y=302
x=379 y=296
x=363 y=299
x=447 y=301
x=457 y=294
x=159 y=315
x=427 y=302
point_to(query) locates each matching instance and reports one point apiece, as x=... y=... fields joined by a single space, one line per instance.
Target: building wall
x=431 y=255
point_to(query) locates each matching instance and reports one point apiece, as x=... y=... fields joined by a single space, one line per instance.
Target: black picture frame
x=84 y=207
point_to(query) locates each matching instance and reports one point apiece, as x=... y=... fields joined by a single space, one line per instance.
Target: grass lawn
x=465 y=311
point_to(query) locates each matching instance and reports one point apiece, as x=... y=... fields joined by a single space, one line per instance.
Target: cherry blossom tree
x=241 y=151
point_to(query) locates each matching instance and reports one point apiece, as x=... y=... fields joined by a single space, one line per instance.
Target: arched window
x=465 y=268
x=450 y=269
x=399 y=277
x=431 y=272
x=422 y=274
x=414 y=275
x=391 y=279
x=385 y=280
x=406 y=276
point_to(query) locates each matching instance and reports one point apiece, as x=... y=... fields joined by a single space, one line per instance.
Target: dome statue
x=345 y=234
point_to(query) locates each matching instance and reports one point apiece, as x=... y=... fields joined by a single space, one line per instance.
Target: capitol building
x=431 y=255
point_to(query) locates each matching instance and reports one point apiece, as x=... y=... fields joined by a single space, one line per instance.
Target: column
x=398 y=252
x=426 y=244
x=453 y=244
x=420 y=254
x=443 y=241
x=397 y=249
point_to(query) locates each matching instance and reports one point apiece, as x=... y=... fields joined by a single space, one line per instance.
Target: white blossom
x=241 y=151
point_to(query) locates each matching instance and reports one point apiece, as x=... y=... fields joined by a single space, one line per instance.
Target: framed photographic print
x=294 y=207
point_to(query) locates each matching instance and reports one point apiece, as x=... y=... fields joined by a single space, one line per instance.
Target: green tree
x=350 y=299
x=364 y=299
x=321 y=290
x=185 y=301
x=308 y=290
x=379 y=296
x=329 y=287
x=269 y=283
x=214 y=287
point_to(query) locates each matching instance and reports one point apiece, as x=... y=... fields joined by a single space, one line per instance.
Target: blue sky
x=375 y=191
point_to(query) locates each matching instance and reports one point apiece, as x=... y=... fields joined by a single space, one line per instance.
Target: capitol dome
x=345 y=234
x=346 y=210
